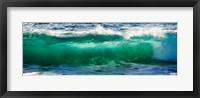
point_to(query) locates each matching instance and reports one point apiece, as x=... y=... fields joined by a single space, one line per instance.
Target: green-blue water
x=103 y=53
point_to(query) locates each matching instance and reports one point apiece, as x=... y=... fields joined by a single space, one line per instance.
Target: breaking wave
x=99 y=44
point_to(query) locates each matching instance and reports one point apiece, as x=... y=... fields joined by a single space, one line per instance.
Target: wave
x=100 y=47
x=127 y=32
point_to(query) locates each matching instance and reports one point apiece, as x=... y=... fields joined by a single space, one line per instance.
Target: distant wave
x=127 y=32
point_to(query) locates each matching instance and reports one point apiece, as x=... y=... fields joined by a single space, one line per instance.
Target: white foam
x=31 y=73
x=99 y=30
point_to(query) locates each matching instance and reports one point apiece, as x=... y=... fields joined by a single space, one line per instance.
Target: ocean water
x=99 y=48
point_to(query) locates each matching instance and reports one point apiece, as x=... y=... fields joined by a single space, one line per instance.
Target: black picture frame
x=99 y=3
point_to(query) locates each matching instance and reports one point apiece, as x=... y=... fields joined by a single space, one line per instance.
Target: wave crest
x=100 y=30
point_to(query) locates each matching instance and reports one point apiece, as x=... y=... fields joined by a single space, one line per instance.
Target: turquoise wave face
x=43 y=49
